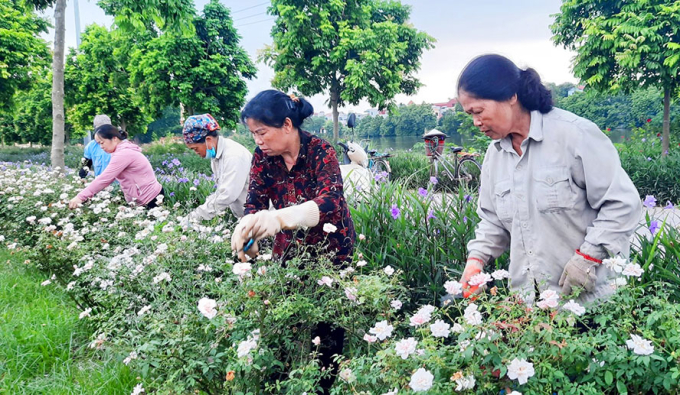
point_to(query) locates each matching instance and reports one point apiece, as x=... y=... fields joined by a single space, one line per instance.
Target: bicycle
x=464 y=171
x=378 y=163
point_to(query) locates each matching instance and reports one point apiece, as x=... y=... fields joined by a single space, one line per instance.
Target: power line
x=252 y=23
x=249 y=8
x=251 y=16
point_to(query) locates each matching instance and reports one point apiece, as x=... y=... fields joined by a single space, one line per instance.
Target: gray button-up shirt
x=566 y=191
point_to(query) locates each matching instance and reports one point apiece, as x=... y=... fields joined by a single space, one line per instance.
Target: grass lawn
x=43 y=349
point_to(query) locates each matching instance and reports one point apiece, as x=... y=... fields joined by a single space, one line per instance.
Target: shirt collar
x=221 y=147
x=535 y=133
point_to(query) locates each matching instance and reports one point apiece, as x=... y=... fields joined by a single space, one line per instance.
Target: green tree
x=369 y=126
x=415 y=120
x=608 y=111
x=204 y=72
x=136 y=15
x=98 y=82
x=449 y=124
x=314 y=124
x=351 y=49
x=22 y=51
x=622 y=45
x=33 y=115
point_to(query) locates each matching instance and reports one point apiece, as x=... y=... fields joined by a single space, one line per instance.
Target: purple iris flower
x=465 y=219
x=434 y=180
x=176 y=162
x=430 y=215
x=196 y=182
x=650 y=201
x=172 y=194
x=669 y=205
x=422 y=192
x=467 y=198
x=395 y=211
x=654 y=227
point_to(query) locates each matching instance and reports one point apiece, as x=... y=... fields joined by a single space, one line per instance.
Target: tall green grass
x=43 y=349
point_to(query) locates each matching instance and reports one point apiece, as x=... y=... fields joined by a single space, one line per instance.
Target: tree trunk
x=58 y=85
x=666 y=121
x=123 y=125
x=335 y=95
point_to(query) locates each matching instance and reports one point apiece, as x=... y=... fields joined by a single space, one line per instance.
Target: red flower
x=609 y=129
x=658 y=135
x=649 y=120
x=623 y=137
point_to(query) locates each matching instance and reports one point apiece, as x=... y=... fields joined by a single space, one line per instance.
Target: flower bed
x=176 y=307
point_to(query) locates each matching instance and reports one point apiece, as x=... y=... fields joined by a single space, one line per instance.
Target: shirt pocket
x=504 y=204
x=553 y=189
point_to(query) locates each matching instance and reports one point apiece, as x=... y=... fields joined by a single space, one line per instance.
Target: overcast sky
x=518 y=29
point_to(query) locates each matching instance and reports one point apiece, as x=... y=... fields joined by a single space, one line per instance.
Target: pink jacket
x=132 y=170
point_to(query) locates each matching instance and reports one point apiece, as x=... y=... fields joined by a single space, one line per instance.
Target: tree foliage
x=98 y=82
x=622 y=45
x=351 y=49
x=204 y=71
x=30 y=119
x=22 y=52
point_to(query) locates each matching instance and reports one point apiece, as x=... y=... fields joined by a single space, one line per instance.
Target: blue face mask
x=210 y=153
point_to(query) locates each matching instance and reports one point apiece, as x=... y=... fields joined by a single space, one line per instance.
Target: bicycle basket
x=434 y=142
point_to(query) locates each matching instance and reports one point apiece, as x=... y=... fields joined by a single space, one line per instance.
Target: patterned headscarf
x=197 y=127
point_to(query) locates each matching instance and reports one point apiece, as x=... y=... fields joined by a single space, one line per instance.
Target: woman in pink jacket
x=128 y=166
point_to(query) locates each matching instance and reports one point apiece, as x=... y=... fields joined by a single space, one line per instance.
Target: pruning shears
x=248 y=245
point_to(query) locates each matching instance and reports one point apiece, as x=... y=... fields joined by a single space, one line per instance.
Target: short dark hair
x=495 y=77
x=109 y=132
x=272 y=107
x=212 y=133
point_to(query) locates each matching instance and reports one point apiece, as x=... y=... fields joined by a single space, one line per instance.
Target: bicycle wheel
x=469 y=173
x=380 y=167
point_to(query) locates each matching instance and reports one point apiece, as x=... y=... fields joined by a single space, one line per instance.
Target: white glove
x=268 y=223
x=239 y=239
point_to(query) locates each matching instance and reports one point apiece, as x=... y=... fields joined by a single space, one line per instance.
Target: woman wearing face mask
x=128 y=166
x=553 y=190
x=230 y=163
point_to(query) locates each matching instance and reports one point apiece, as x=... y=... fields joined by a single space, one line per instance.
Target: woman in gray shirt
x=553 y=190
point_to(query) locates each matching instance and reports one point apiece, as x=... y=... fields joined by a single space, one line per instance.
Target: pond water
x=407 y=142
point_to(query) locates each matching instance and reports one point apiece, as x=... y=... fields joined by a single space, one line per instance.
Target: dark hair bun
x=495 y=77
x=123 y=134
x=272 y=107
x=532 y=93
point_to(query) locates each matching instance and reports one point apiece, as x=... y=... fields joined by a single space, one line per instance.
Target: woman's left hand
x=74 y=203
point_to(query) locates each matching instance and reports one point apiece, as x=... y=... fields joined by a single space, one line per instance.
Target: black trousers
x=154 y=202
x=332 y=342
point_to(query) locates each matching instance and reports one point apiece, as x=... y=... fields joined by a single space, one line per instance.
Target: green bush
x=142 y=276
x=652 y=173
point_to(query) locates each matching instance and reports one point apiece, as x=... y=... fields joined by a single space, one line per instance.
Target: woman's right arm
x=491 y=237
x=116 y=166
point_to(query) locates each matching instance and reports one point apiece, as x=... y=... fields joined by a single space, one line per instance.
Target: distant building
x=440 y=109
x=575 y=89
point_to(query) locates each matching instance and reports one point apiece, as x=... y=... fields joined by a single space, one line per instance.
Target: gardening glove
x=239 y=240
x=82 y=173
x=472 y=266
x=580 y=271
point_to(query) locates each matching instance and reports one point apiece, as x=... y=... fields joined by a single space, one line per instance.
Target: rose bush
x=176 y=306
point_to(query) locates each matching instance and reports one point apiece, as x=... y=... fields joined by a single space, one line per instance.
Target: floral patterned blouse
x=315 y=176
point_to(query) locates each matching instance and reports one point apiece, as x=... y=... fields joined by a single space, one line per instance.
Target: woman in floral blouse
x=300 y=174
